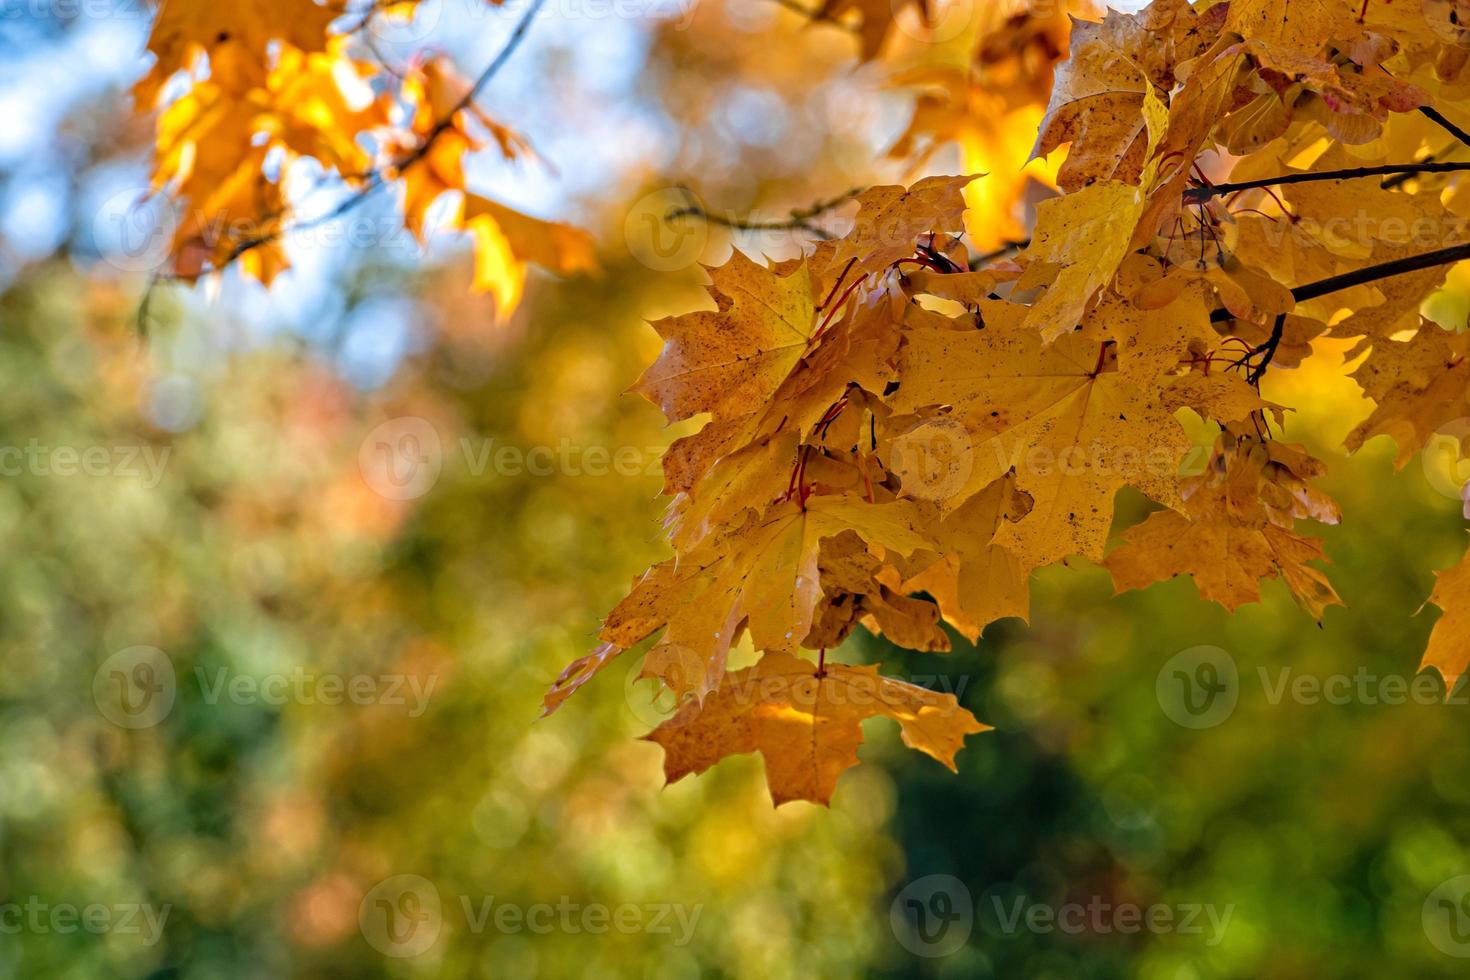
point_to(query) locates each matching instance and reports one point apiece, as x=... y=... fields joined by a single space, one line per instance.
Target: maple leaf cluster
x=246 y=90
x=898 y=431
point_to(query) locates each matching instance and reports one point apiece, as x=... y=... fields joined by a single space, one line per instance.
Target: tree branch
x=1268 y=349
x=1434 y=115
x=1351 y=173
x=1367 y=274
x=375 y=179
x=800 y=217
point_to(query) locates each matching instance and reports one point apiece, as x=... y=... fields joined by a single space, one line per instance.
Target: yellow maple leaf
x=506 y=239
x=1449 y=642
x=183 y=30
x=1418 y=385
x=806 y=724
x=1072 y=427
x=728 y=360
x=893 y=219
x=1098 y=99
x=1237 y=529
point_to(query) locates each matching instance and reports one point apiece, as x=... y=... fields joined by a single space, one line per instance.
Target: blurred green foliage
x=256 y=829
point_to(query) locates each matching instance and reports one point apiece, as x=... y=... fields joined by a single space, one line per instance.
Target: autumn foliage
x=268 y=83
x=904 y=423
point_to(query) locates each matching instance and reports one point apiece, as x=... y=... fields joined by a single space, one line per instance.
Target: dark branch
x=1371 y=273
x=1396 y=180
x=1352 y=173
x=1434 y=115
x=1268 y=350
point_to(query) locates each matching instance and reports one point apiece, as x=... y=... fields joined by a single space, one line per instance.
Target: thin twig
x=1004 y=250
x=375 y=179
x=800 y=218
x=1268 y=349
